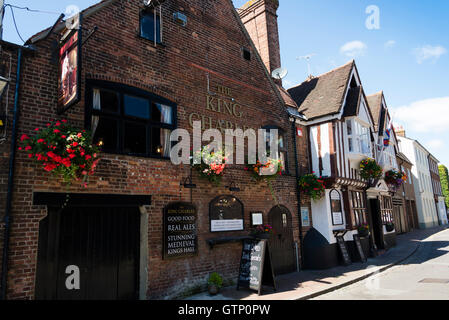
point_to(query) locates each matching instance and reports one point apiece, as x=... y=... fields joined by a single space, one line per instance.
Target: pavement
x=309 y=284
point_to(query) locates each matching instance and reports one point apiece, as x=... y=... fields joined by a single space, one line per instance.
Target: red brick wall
x=212 y=40
x=260 y=19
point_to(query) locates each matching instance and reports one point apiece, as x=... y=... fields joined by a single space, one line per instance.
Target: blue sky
x=407 y=57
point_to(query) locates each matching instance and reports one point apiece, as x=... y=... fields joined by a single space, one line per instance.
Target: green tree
x=444 y=177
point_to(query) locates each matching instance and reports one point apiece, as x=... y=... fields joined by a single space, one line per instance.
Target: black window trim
x=121 y=90
x=158 y=17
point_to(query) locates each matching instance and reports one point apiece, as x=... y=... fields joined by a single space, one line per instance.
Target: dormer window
x=358 y=137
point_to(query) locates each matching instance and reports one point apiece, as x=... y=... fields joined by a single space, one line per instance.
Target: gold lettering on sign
x=226 y=105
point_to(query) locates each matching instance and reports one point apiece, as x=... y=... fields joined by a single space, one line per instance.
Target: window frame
x=121 y=90
x=357 y=137
x=146 y=12
x=284 y=149
x=359 y=207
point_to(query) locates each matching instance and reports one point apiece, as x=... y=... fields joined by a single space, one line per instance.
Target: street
x=423 y=276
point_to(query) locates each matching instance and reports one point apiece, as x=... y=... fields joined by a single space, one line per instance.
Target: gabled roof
x=352 y=101
x=86 y=12
x=323 y=95
x=288 y=100
x=375 y=106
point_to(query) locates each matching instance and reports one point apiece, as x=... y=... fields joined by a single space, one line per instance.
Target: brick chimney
x=400 y=131
x=260 y=20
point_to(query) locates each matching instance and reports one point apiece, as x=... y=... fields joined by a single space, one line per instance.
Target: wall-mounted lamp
x=159 y=149
x=233 y=187
x=187 y=182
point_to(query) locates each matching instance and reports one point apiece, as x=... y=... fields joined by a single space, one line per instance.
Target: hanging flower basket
x=270 y=170
x=312 y=186
x=63 y=150
x=395 y=179
x=212 y=165
x=369 y=169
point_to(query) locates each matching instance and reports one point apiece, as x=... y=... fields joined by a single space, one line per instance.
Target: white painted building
x=425 y=202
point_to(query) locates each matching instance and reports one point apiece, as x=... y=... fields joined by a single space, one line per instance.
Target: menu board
x=336 y=208
x=256 y=267
x=226 y=214
x=180 y=230
x=359 y=248
x=344 y=250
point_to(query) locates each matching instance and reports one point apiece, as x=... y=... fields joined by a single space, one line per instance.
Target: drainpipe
x=7 y=218
x=298 y=195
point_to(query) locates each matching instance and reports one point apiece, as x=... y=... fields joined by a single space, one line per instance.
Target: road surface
x=423 y=276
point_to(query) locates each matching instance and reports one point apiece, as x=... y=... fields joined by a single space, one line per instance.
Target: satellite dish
x=147 y=3
x=279 y=73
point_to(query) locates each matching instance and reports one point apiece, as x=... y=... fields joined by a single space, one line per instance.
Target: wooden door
x=281 y=242
x=103 y=243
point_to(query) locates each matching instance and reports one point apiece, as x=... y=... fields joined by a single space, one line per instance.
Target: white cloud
x=390 y=44
x=429 y=53
x=353 y=49
x=435 y=144
x=426 y=116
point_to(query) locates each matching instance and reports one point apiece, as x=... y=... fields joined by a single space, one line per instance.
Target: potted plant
x=370 y=170
x=63 y=150
x=363 y=230
x=312 y=186
x=262 y=231
x=215 y=282
x=212 y=165
x=389 y=226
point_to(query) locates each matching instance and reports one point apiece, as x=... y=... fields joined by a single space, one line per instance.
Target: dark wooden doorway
x=377 y=223
x=281 y=242
x=103 y=242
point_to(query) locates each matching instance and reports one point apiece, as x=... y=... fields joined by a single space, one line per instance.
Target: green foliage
x=312 y=186
x=215 y=279
x=369 y=169
x=444 y=177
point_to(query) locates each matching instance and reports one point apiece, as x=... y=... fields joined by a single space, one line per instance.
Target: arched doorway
x=281 y=242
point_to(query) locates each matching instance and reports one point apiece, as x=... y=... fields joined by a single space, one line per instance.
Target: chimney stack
x=400 y=131
x=260 y=20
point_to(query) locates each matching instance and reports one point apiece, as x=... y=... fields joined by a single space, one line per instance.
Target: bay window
x=130 y=121
x=358 y=137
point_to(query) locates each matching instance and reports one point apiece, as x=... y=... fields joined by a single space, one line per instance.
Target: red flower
x=56 y=131
x=30 y=155
x=40 y=141
x=64 y=121
x=28 y=148
x=48 y=124
x=24 y=137
x=88 y=157
x=75 y=144
x=63 y=136
x=58 y=124
x=71 y=156
x=37 y=129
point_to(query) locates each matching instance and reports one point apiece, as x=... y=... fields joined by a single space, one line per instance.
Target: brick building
x=185 y=60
